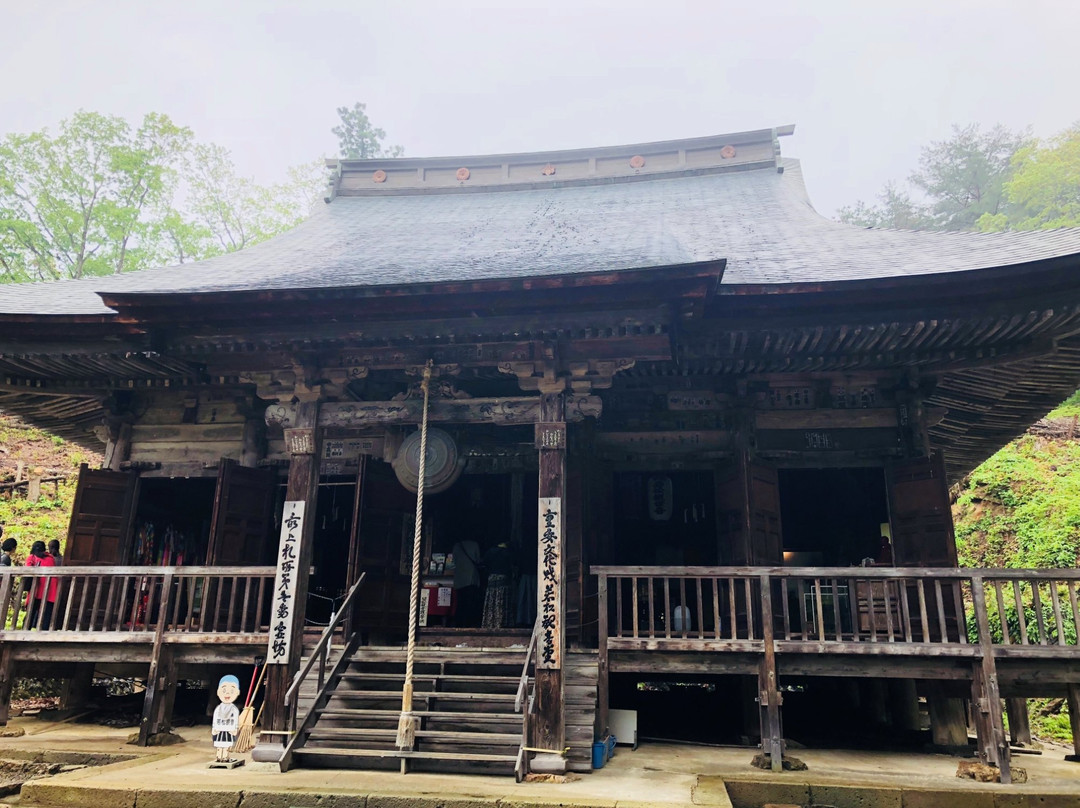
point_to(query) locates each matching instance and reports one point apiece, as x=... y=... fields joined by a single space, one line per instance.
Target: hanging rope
x=407 y=724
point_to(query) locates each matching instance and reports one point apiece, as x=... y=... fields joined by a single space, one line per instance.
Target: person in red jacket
x=44 y=588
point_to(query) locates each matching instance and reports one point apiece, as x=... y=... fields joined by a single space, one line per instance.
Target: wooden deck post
x=159 y=697
x=302 y=485
x=948 y=720
x=769 y=698
x=989 y=718
x=1072 y=696
x=602 y=691
x=7 y=670
x=551 y=445
x=76 y=690
x=1019 y=723
x=904 y=704
x=160 y=663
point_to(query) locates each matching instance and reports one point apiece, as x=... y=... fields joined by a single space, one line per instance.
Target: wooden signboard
x=283 y=605
x=549 y=591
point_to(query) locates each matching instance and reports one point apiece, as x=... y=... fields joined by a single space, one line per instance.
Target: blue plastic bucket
x=610 y=746
x=599 y=754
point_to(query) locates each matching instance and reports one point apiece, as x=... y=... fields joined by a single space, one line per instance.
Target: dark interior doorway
x=172 y=521
x=665 y=518
x=832 y=517
x=487 y=521
x=330 y=556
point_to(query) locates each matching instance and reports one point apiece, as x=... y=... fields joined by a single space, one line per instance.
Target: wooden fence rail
x=88 y=603
x=691 y=608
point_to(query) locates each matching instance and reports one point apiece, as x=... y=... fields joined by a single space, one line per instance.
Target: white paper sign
x=549 y=587
x=283 y=605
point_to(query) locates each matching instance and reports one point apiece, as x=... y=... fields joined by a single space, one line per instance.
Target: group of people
x=41 y=591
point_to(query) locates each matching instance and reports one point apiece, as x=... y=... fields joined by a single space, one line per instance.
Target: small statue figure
x=226 y=718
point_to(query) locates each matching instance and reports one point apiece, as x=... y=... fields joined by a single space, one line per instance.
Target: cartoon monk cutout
x=226 y=722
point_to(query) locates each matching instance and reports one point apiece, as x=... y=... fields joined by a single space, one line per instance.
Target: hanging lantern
x=661 y=495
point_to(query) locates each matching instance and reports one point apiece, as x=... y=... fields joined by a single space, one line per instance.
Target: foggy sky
x=866 y=83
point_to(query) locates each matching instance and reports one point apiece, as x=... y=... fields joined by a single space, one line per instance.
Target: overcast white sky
x=867 y=82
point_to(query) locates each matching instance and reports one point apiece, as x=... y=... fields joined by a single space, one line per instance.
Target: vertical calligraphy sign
x=549 y=587
x=283 y=602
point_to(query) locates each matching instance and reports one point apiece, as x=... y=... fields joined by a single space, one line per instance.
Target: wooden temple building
x=689 y=455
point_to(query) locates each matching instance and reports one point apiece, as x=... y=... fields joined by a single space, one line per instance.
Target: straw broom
x=245 y=741
x=407 y=723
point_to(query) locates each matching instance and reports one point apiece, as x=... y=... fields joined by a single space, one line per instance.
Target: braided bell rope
x=406 y=733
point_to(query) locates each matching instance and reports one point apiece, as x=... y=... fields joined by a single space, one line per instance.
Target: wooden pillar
x=948 y=719
x=1072 y=696
x=904 y=704
x=118 y=449
x=76 y=691
x=161 y=671
x=1019 y=724
x=303 y=445
x=159 y=697
x=353 y=571
x=769 y=697
x=873 y=702
x=7 y=680
x=253 y=447
x=603 y=692
x=748 y=702
x=551 y=445
x=986 y=695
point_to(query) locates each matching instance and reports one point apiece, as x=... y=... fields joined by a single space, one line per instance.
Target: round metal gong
x=444 y=464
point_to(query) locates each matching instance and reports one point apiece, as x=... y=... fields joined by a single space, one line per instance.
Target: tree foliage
x=358 y=138
x=958 y=181
x=1044 y=189
x=86 y=201
x=102 y=196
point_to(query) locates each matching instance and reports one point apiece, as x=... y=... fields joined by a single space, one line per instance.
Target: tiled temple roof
x=596 y=212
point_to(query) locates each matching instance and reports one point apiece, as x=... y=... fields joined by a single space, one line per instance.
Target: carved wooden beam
x=580 y=377
x=505 y=411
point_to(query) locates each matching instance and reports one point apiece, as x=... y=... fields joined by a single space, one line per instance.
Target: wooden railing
x=133 y=603
x=845 y=610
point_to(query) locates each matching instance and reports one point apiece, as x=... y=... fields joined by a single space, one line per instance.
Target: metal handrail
x=318 y=653
x=523 y=683
x=521 y=765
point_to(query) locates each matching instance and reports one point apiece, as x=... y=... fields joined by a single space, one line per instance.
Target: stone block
x=168 y=798
x=936 y=798
x=856 y=796
x=428 y=801
x=291 y=799
x=61 y=795
x=1003 y=800
x=753 y=794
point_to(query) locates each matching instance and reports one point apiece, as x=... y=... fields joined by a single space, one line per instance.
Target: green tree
x=959 y=180
x=224 y=211
x=1044 y=190
x=963 y=176
x=358 y=138
x=104 y=197
x=78 y=203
